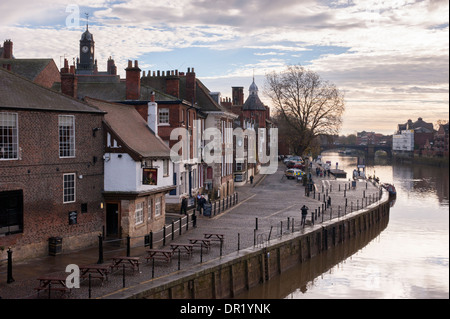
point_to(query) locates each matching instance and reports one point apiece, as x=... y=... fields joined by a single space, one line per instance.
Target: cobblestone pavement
x=272 y=204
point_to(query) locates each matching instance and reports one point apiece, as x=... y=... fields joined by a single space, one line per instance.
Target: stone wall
x=234 y=273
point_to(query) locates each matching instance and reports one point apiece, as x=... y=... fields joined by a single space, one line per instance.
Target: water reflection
x=300 y=279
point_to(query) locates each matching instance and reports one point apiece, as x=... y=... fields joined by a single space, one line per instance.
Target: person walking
x=183 y=208
x=304 y=210
x=251 y=179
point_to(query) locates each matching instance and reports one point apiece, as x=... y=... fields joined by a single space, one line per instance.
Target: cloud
x=394 y=52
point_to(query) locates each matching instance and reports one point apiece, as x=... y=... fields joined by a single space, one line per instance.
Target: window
x=139 y=213
x=9 y=138
x=69 y=188
x=158 y=206
x=150 y=208
x=66 y=124
x=163 y=116
x=166 y=167
x=11 y=212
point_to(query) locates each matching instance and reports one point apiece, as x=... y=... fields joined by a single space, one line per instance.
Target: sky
x=389 y=58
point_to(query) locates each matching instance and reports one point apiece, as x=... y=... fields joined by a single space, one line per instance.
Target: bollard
x=123 y=276
x=187 y=222
x=10 y=278
x=128 y=245
x=292 y=224
x=281 y=228
x=100 y=249
x=90 y=286
x=173 y=230
x=339 y=187
x=180 y=227
x=254 y=237
x=164 y=236
x=345 y=191
x=151 y=238
x=270 y=233
x=201 y=253
x=179 y=260
x=239 y=241
x=288 y=223
x=221 y=245
x=256 y=223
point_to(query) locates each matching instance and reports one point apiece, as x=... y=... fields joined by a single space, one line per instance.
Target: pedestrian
x=251 y=179
x=304 y=210
x=183 y=208
x=329 y=201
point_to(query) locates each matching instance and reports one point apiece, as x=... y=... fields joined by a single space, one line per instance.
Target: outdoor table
x=131 y=262
x=53 y=283
x=187 y=247
x=161 y=254
x=201 y=242
x=214 y=236
x=99 y=271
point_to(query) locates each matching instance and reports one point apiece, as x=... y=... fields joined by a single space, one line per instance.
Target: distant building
x=40 y=71
x=412 y=136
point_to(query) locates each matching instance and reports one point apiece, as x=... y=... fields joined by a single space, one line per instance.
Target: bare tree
x=307 y=104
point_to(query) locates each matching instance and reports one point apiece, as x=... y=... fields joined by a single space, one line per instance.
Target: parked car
x=293 y=173
x=294 y=164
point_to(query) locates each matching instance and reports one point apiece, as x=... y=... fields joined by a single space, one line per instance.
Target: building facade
x=51 y=169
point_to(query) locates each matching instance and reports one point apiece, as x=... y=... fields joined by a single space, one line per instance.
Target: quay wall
x=229 y=275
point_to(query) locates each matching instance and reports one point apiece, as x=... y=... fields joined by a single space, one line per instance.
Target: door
x=112 y=219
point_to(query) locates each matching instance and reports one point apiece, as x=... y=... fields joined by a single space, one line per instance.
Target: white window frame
x=139 y=213
x=62 y=120
x=166 y=168
x=9 y=121
x=150 y=208
x=71 y=198
x=158 y=206
x=163 y=116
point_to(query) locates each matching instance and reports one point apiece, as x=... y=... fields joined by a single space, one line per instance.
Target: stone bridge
x=369 y=150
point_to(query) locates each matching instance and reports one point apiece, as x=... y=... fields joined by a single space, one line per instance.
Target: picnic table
x=187 y=247
x=161 y=254
x=99 y=271
x=203 y=242
x=214 y=236
x=130 y=262
x=53 y=283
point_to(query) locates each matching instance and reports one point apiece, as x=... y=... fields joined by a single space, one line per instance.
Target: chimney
x=238 y=95
x=69 y=81
x=133 y=81
x=152 y=118
x=111 y=67
x=7 y=50
x=190 y=86
x=173 y=85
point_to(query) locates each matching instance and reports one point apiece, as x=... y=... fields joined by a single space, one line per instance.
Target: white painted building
x=403 y=141
x=138 y=172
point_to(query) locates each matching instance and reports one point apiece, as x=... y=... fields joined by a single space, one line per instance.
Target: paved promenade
x=272 y=204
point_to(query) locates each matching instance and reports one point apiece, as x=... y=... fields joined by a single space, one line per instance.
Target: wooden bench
x=202 y=242
x=97 y=271
x=160 y=254
x=214 y=237
x=188 y=248
x=53 y=283
x=130 y=262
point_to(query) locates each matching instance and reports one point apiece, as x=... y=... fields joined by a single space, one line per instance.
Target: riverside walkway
x=266 y=209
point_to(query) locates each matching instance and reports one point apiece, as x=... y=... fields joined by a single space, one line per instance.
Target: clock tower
x=86 y=62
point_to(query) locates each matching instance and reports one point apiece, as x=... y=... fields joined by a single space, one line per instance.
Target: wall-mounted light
x=101 y=205
x=94 y=130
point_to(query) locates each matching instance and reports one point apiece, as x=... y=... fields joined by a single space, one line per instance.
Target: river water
x=407 y=259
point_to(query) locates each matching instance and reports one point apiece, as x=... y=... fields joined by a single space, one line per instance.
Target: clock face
x=85 y=49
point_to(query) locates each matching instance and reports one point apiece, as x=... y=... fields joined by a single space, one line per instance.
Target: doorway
x=112 y=219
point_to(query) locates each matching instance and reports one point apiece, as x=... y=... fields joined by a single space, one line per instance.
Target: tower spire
x=87 y=21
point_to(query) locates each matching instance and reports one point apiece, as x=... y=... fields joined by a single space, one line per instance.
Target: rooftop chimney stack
x=7 y=50
x=69 y=81
x=152 y=118
x=133 y=81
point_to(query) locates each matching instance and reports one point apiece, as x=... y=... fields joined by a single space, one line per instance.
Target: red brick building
x=51 y=169
x=40 y=71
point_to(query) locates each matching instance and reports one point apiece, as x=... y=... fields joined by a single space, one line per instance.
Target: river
x=408 y=259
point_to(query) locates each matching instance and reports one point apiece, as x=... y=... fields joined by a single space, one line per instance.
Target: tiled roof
x=253 y=103
x=28 y=68
x=132 y=129
x=20 y=93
